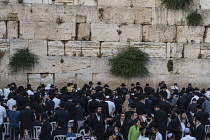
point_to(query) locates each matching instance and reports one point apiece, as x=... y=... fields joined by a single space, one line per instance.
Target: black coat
x=79 y=113
x=118 y=102
x=118 y=123
x=63 y=97
x=161 y=118
x=165 y=106
x=58 y=131
x=192 y=107
x=50 y=106
x=202 y=116
x=105 y=109
x=62 y=115
x=140 y=108
x=92 y=105
x=70 y=107
x=45 y=131
x=183 y=102
x=175 y=128
x=199 y=132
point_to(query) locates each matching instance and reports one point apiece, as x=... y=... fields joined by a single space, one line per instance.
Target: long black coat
x=160 y=117
x=62 y=115
x=118 y=102
x=45 y=131
x=175 y=128
x=140 y=108
x=105 y=109
x=165 y=106
x=199 y=132
x=50 y=106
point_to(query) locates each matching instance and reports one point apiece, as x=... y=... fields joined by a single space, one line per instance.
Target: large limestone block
x=46 y=30
x=85 y=2
x=66 y=31
x=112 y=48
x=39 y=47
x=104 y=32
x=207 y=35
x=12 y=29
x=122 y=15
x=177 y=17
x=114 y=3
x=4 y=46
x=206 y=17
x=159 y=15
x=157 y=50
x=143 y=15
x=47 y=2
x=190 y=34
x=33 y=1
x=130 y=33
x=159 y=33
x=192 y=50
x=17 y=44
x=175 y=50
x=143 y=3
x=3 y=29
x=83 y=32
x=205 y=4
x=82 y=48
x=27 y=30
x=55 y=48
x=205 y=50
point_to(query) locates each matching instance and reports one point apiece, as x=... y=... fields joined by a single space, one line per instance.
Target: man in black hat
x=105 y=109
x=98 y=88
x=118 y=102
x=164 y=105
x=62 y=114
x=123 y=89
x=60 y=129
x=199 y=131
x=189 y=88
x=46 y=128
x=97 y=123
x=192 y=108
x=140 y=106
x=138 y=87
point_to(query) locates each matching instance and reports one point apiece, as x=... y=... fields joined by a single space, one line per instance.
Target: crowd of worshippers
x=127 y=113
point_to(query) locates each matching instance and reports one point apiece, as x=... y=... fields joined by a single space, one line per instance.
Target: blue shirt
x=13 y=118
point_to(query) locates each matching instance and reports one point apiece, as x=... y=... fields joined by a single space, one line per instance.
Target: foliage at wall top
x=130 y=62
x=177 y=4
x=22 y=59
x=194 y=19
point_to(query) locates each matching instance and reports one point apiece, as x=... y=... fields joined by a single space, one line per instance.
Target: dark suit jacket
x=118 y=102
x=105 y=109
x=58 y=131
x=140 y=108
x=165 y=106
x=50 y=106
x=45 y=131
x=192 y=107
x=199 y=132
x=79 y=113
x=95 y=124
x=27 y=119
x=175 y=128
x=62 y=115
x=202 y=116
x=183 y=102
x=161 y=118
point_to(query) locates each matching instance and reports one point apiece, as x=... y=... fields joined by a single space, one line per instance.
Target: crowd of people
x=126 y=113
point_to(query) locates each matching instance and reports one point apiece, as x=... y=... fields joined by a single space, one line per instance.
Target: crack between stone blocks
x=18 y=29
x=205 y=33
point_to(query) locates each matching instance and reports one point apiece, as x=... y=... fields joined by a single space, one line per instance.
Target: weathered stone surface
x=83 y=32
x=192 y=50
x=17 y=44
x=4 y=47
x=55 y=48
x=205 y=50
x=159 y=15
x=3 y=29
x=157 y=50
x=12 y=29
x=85 y=2
x=114 y=3
x=190 y=34
x=47 y=2
x=175 y=50
x=143 y=3
x=82 y=48
x=207 y=35
x=206 y=17
x=159 y=33
x=104 y=32
x=66 y=31
x=33 y=1
x=39 y=47
x=177 y=17
x=112 y=48
x=204 y=4
x=130 y=33
x=143 y=15
x=27 y=30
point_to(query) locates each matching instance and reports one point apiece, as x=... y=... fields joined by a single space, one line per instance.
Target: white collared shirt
x=2 y=114
x=30 y=92
x=57 y=102
x=158 y=136
x=6 y=93
x=10 y=103
x=188 y=137
x=197 y=125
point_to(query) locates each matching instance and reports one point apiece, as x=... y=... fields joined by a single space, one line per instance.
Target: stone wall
x=89 y=32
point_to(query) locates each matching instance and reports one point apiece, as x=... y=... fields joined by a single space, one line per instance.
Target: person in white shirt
x=30 y=92
x=10 y=103
x=2 y=116
x=207 y=94
x=158 y=135
x=187 y=135
x=111 y=106
x=6 y=92
x=57 y=102
x=174 y=87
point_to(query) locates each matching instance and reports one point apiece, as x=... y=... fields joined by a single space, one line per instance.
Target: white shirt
x=188 y=137
x=2 y=114
x=1 y=92
x=6 y=93
x=207 y=94
x=57 y=102
x=10 y=103
x=158 y=136
x=196 y=97
x=174 y=87
x=30 y=92
x=168 y=94
x=111 y=106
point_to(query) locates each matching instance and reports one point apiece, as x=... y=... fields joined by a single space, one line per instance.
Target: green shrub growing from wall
x=130 y=62
x=170 y=65
x=194 y=19
x=176 y=4
x=22 y=59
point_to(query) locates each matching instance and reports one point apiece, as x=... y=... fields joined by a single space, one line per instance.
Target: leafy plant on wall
x=170 y=65
x=194 y=19
x=130 y=62
x=22 y=60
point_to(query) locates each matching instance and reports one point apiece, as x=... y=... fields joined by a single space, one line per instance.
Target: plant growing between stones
x=62 y=61
x=59 y=20
x=176 y=4
x=20 y=1
x=130 y=62
x=101 y=13
x=170 y=65
x=22 y=59
x=194 y=19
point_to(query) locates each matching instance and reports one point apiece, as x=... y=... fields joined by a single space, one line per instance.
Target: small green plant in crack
x=20 y=1
x=62 y=61
x=59 y=20
x=200 y=56
x=194 y=19
x=119 y=32
x=74 y=54
x=101 y=13
x=170 y=65
x=177 y=4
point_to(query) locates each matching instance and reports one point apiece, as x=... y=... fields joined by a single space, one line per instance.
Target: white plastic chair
x=78 y=135
x=207 y=129
x=71 y=138
x=71 y=123
x=82 y=132
x=36 y=132
x=60 y=137
x=6 y=130
x=53 y=125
